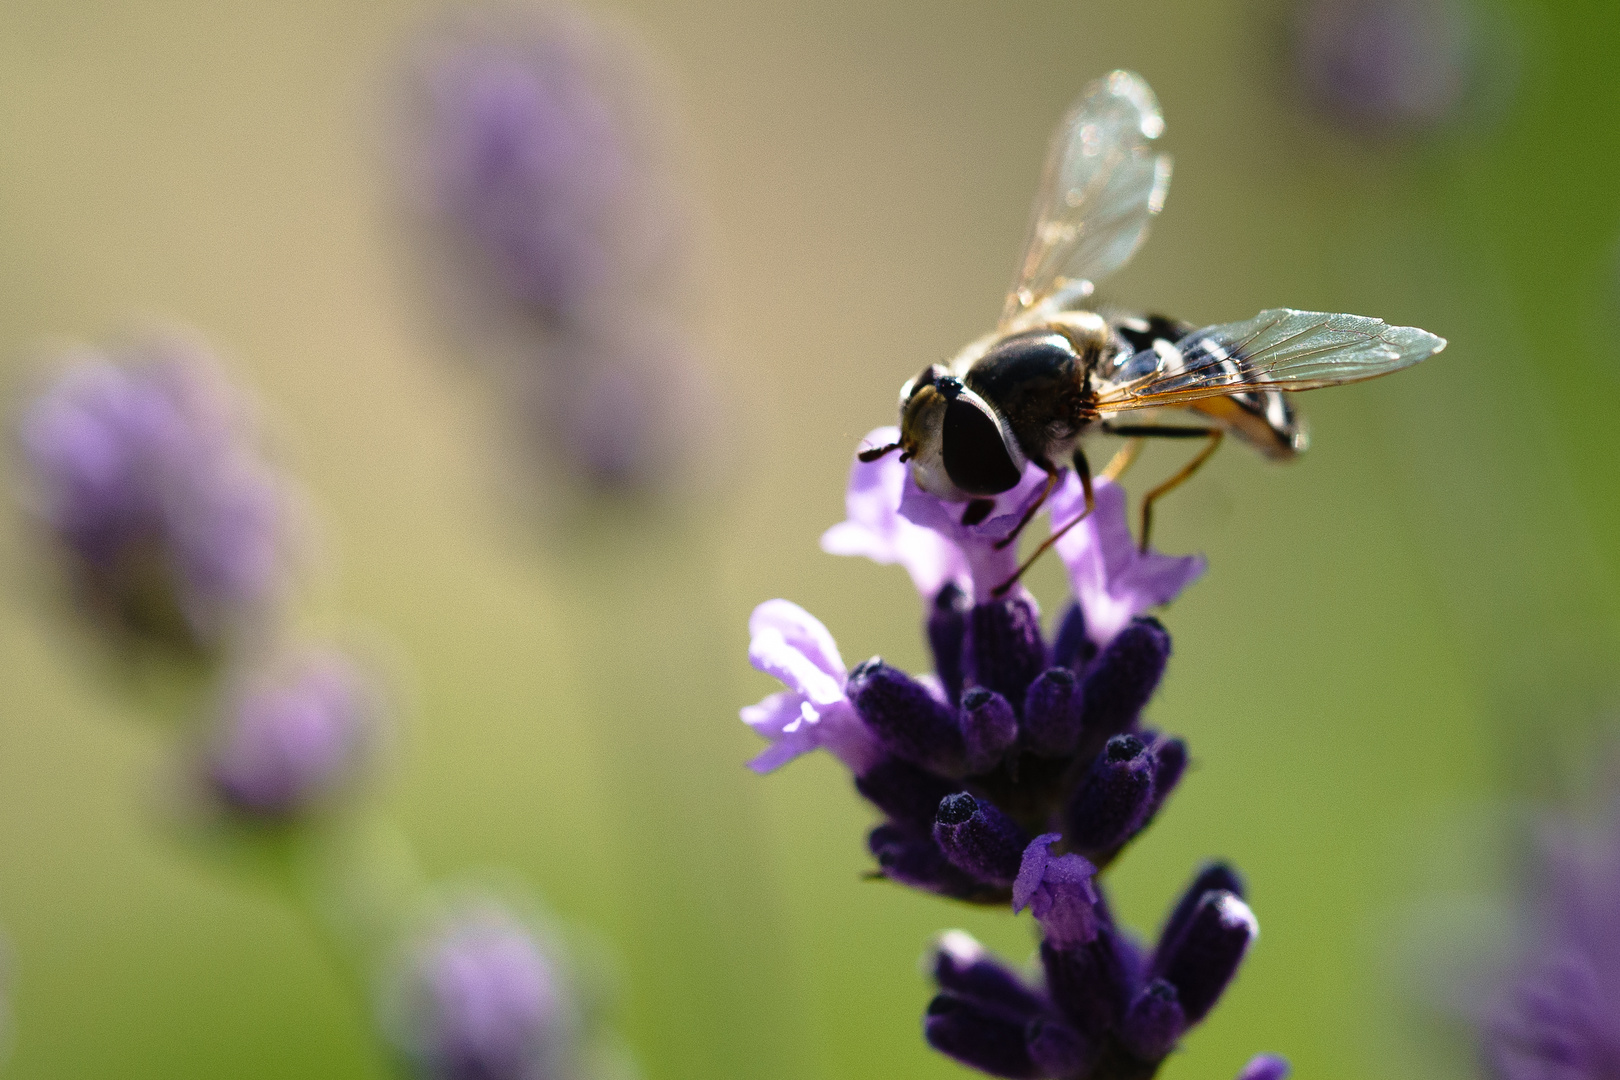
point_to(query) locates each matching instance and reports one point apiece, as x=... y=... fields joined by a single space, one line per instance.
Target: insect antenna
x=873 y=453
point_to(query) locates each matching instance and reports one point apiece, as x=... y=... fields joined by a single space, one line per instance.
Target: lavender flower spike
x=874 y=527
x=1113 y=582
x=792 y=645
x=476 y=999
x=1265 y=1067
x=291 y=744
x=139 y=464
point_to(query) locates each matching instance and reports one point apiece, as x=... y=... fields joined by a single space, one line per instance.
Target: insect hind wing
x=1279 y=349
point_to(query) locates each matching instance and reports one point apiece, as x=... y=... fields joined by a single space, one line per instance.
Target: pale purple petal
x=796 y=727
x=1031 y=870
x=791 y=644
x=1113 y=581
x=875 y=529
x=987 y=566
x=1058 y=890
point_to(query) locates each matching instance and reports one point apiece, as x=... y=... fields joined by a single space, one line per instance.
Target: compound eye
x=977 y=458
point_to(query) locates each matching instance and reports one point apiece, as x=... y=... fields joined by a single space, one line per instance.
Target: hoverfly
x=1054 y=370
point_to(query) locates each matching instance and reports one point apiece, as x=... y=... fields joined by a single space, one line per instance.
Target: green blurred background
x=1400 y=629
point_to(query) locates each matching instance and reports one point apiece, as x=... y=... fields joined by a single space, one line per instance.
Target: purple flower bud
x=1059 y=891
x=1073 y=648
x=1154 y=1022
x=989 y=728
x=1113 y=801
x=1089 y=982
x=962 y=967
x=289 y=744
x=1005 y=650
x=947 y=634
x=979 y=839
x=1384 y=66
x=1123 y=678
x=142 y=468
x=1202 y=959
x=907 y=719
x=1214 y=877
x=1058 y=1049
x=908 y=794
x=979 y=1037
x=1265 y=1067
x=479 y=999
x=914 y=859
x=1052 y=714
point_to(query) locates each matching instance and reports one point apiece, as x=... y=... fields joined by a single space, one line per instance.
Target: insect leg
x=1034 y=507
x=1123 y=459
x=1082 y=468
x=1213 y=434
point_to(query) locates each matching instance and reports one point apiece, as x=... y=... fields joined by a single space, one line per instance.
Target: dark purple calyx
x=1153 y=1022
x=1005 y=649
x=979 y=1037
x=947 y=636
x=979 y=839
x=989 y=728
x=1122 y=679
x=1114 y=799
x=908 y=720
x=1204 y=957
x=1052 y=713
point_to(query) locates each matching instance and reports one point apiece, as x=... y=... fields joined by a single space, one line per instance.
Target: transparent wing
x=1101 y=186
x=1279 y=349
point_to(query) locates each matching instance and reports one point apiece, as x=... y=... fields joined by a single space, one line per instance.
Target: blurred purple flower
x=525 y=155
x=1385 y=66
x=292 y=743
x=538 y=153
x=1558 y=1017
x=140 y=465
x=477 y=999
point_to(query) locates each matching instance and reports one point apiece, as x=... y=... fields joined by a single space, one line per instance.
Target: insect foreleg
x=1082 y=468
x=1034 y=507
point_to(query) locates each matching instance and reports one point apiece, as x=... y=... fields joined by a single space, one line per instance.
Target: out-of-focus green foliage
x=1391 y=629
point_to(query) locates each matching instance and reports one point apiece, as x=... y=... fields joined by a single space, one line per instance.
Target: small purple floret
x=140 y=464
x=1265 y=1067
x=1058 y=890
x=286 y=747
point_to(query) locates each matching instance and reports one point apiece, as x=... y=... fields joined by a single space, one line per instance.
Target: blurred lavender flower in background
x=140 y=465
x=1386 y=67
x=1016 y=772
x=294 y=740
x=538 y=154
x=482 y=994
x=1557 y=1017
